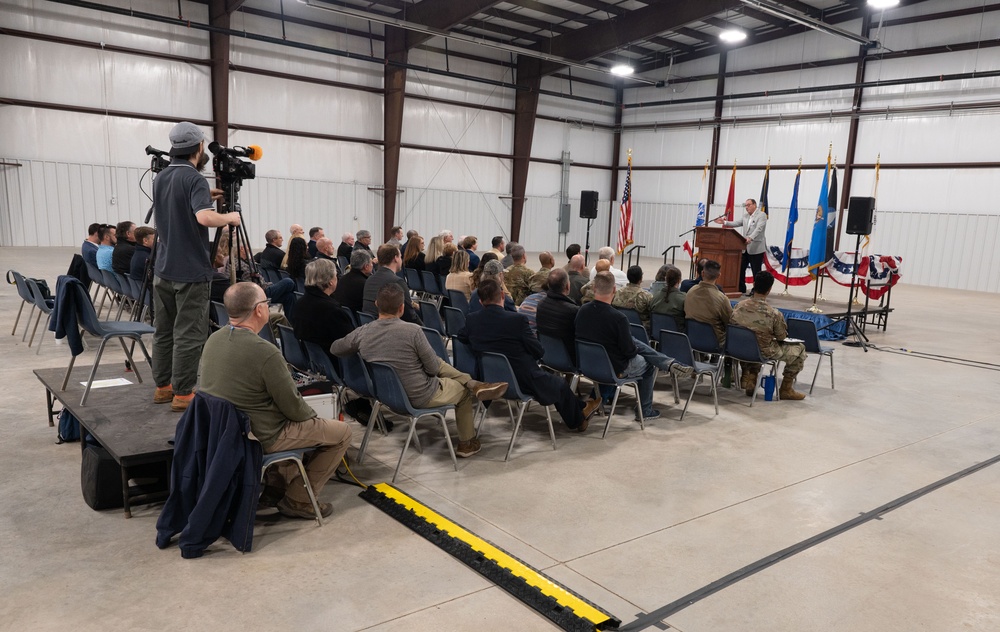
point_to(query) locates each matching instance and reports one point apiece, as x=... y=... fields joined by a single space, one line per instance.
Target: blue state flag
x=817 y=248
x=793 y=216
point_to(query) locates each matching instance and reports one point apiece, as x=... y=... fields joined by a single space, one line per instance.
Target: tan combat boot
x=749 y=383
x=786 y=391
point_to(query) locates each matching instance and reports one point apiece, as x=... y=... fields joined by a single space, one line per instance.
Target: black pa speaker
x=859 y=215
x=588 y=204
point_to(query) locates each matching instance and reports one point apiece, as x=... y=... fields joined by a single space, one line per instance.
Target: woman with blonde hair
x=459 y=278
x=435 y=248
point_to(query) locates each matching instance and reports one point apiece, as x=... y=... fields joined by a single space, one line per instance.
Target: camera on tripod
x=228 y=166
x=158 y=162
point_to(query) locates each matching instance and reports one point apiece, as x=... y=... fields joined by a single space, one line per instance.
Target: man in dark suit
x=390 y=262
x=556 y=314
x=351 y=288
x=272 y=253
x=494 y=329
x=346 y=246
x=315 y=234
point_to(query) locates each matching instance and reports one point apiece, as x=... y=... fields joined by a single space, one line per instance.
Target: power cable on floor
x=976 y=364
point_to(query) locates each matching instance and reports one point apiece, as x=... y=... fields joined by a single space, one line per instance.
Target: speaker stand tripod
x=586 y=250
x=852 y=329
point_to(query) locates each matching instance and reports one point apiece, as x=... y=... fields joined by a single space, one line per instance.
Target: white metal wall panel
x=791 y=104
x=540 y=226
x=447 y=126
x=800 y=48
x=932 y=92
x=934 y=190
x=573 y=109
x=456 y=88
x=665 y=187
x=783 y=144
x=666 y=113
x=38 y=16
x=963 y=137
x=295 y=105
x=585 y=144
x=247 y=52
x=668 y=147
x=439 y=170
x=430 y=211
x=956 y=30
x=312 y=158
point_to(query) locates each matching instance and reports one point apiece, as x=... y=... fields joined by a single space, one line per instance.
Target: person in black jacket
x=272 y=253
x=121 y=258
x=351 y=287
x=494 y=329
x=144 y=238
x=390 y=262
x=346 y=246
x=556 y=313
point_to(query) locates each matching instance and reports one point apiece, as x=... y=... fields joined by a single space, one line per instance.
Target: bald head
x=577 y=263
x=296 y=230
x=242 y=300
x=325 y=245
x=546 y=260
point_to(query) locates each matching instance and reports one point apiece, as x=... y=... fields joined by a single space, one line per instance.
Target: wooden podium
x=726 y=246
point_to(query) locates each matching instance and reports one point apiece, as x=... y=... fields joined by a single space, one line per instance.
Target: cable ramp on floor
x=559 y=604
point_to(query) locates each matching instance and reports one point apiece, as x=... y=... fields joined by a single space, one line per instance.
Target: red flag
x=687 y=249
x=625 y=219
x=731 y=200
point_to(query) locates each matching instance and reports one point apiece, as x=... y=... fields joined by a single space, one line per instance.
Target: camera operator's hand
x=234 y=219
x=217 y=194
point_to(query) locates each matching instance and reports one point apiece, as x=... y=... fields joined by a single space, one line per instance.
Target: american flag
x=625 y=219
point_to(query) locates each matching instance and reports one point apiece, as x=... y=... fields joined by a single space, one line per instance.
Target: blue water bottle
x=768 y=382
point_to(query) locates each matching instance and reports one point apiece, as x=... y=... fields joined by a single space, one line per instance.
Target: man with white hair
x=608 y=254
x=296 y=230
x=346 y=246
x=447 y=236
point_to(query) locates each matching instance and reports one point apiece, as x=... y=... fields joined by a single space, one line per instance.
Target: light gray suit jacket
x=753 y=229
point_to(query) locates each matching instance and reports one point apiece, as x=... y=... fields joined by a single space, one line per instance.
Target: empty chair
x=431 y=317
x=128 y=292
x=44 y=308
x=413 y=280
x=558 y=359
x=111 y=282
x=702 y=337
x=454 y=320
x=364 y=318
x=496 y=368
x=27 y=298
x=292 y=349
x=677 y=346
x=434 y=338
x=661 y=321
x=741 y=344
x=595 y=364
x=805 y=330
x=639 y=332
x=631 y=314
x=458 y=300
x=392 y=395
x=429 y=282
x=78 y=311
x=320 y=362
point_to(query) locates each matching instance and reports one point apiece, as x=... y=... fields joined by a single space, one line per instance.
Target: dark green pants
x=181 y=322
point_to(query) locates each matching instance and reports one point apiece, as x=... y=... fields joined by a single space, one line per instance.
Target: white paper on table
x=118 y=381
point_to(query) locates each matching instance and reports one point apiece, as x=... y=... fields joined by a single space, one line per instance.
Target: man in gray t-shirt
x=183 y=211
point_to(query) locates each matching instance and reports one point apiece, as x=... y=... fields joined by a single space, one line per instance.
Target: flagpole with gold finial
x=788 y=246
x=829 y=210
x=819 y=272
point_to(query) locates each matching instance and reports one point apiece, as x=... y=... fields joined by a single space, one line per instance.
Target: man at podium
x=753 y=224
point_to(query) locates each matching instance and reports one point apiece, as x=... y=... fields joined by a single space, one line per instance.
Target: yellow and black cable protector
x=560 y=605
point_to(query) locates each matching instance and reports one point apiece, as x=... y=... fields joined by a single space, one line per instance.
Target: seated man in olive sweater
x=243 y=368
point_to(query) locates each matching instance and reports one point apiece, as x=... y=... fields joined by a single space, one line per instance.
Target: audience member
x=556 y=314
x=434 y=250
x=705 y=303
x=495 y=330
x=410 y=234
x=491 y=270
x=106 y=249
x=446 y=236
x=587 y=291
x=389 y=263
x=325 y=250
x=350 y=290
x=687 y=284
x=396 y=236
x=529 y=306
x=346 y=246
x=499 y=246
x=144 y=238
x=578 y=277
x=668 y=299
x=88 y=250
x=443 y=263
x=221 y=258
x=263 y=389
x=319 y=317
x=364 y=241
x=427 y=380
x=632 y=296
x=298 y=257
x=518 y=276
x=296 y=230
x=121 y=258
x=272 y=255
x=469 y=244
x=607 y=253
x=459 y=278
x=541 y=277
x=315 y=234
x=415 y=257
x=478 y=272
x=771 y=330
x=571 y=251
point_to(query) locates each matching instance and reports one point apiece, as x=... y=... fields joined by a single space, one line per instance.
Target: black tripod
x=241 y=263
x=852 y=329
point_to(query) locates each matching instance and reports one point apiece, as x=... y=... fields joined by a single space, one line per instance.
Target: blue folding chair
x=219 y=314
x=27 y=298
x=557 y=359
x=631 y=314
x=44 y=307
x=702 y=337
x=454 y=319
x=357 y=378
x=350 y=314
x=458 y=300
x=413 y=280
x=595 y=364
x=429 y=282
x=364 y=318
x=321 y=363
x=291 y=348
x=639 y=332
x=677 y=346
x=741 y=344
x=467 y=362
x=658 y=322
x=105 y=330
x=496 y=368
x=437 y=343
x=344 y=264
x=268 y=335
x=296 y=457
x=805 y=330
x=391 y=394
x=431 y=317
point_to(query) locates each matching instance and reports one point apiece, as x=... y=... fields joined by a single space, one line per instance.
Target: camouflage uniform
x=769 y=326
x=587 y=293
x=632 y=296
x=536 y=281
x=518 y=279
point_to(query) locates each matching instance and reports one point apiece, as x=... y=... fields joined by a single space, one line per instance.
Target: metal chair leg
x=406 y=446
x=18 y=319
x=27 y=324
x=611 y=413
x=447 y=440
x=93 y=372
x=131 y=362
x=642 y=418
x=309 y=491
x=372 y=420
x=522 y=406
x=552 y=431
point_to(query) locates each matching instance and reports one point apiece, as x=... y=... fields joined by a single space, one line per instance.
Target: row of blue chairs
x=30 y=294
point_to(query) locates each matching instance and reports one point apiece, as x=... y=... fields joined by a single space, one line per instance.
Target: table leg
x=125 y=498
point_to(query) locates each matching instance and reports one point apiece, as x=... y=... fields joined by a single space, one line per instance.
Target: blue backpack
x=69 y=427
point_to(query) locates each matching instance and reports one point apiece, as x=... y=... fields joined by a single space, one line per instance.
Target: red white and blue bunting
x=877 y=274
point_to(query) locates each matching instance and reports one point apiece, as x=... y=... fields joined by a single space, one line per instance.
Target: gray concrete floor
x=632 y=522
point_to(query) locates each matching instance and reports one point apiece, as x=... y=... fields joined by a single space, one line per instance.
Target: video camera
x=228 y=166
x=159 y=161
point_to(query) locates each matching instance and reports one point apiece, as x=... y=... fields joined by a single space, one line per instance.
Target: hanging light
x=733 y=35
x=622 y=70
x=883 y=4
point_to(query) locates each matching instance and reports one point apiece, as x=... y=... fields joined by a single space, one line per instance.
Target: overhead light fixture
x=733 y=35
x=883 y=4
x=622 y=70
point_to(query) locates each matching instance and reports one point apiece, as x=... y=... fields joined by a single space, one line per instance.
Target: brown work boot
x=465 y=449
x=786 y=391
x=588 y=411
x=749 y=383
x=486 y=392
x=163 y=394
x=295 y=509
x=180 y=403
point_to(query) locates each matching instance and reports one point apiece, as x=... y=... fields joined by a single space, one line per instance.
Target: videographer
x=184 y=211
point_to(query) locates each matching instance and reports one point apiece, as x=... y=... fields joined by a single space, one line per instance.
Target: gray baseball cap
x=184 y=138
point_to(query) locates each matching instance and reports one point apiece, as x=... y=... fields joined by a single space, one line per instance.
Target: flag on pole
x=731 y=200
x=865 y=246
x=762 y=204
x=793 y=216
x=831 y=216
x=625 y=219
x=817 y=248
x=702 y=218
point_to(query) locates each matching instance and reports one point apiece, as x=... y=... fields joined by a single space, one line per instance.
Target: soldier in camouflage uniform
x=769 y=326
x=518 y=276
x=587 y=291
x=632 y=296
x=542 y=276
